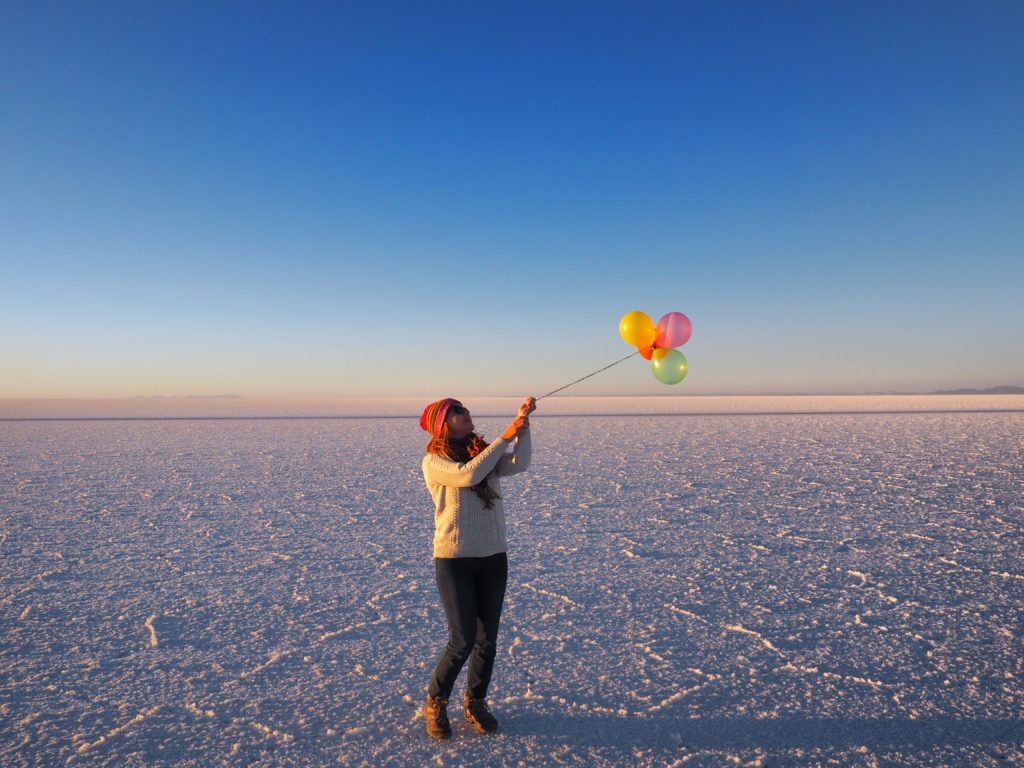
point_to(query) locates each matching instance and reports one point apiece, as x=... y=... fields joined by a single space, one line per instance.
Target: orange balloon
x=646 y=352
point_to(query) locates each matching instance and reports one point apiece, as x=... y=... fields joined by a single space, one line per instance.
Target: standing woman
x=462 y=471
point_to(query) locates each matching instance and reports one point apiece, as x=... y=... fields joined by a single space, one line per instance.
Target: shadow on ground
x=786 y=733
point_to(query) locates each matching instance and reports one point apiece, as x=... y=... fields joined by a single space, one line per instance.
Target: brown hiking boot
x=436 y=714
x=479 y=716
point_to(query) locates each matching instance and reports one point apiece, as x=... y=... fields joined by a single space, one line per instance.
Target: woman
x=462 y=471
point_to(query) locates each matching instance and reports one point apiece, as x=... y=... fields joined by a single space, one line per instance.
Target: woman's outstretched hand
x=529 y=406
x=521 y=423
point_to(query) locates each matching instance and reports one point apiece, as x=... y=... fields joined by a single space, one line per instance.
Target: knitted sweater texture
x=463 y=526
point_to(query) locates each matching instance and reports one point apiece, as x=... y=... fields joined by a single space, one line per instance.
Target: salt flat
x=827 y=589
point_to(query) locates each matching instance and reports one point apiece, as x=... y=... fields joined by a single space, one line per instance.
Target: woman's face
x=460 y=423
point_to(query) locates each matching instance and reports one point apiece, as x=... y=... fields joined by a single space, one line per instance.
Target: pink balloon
x=673 y=330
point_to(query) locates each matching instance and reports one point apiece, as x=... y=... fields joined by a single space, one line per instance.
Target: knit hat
x=434 y=415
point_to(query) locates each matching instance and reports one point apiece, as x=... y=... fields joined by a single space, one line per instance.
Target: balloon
x=646 y=352
x=637 y=329
x=673 y=330
x=669 y=366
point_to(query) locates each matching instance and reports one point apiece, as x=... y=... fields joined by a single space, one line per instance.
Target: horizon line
x=890 y=412
x=297 y=398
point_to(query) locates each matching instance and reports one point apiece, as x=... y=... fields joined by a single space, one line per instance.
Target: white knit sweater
x=463 y=527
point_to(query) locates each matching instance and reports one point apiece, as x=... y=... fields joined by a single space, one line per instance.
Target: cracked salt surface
x=752 y=590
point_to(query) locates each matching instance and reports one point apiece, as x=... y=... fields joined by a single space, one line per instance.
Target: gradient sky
x=382 y=198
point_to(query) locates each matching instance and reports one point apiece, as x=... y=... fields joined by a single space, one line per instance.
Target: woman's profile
x=461 y=471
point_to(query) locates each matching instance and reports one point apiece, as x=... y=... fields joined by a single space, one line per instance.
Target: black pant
x=472 y=591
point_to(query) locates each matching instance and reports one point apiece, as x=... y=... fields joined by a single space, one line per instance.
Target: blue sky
x=361 y=199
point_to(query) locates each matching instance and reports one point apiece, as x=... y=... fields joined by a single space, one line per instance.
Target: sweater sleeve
x=519 y=461
x=442 y=471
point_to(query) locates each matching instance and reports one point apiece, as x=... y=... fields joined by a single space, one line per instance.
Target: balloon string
x=589 y=375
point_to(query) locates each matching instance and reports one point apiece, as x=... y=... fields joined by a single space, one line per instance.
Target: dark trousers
x=472 y=591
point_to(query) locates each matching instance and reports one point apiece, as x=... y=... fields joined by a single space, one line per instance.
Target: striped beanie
x=434 y=415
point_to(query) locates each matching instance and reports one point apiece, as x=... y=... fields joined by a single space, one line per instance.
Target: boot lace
x=440 y=707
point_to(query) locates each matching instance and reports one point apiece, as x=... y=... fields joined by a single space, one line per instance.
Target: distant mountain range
x=187 y=397
x=1003 y=390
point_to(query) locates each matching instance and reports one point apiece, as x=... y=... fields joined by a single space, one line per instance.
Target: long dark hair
x=463 y=450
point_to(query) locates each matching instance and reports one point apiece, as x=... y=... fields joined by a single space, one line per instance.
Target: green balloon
x=669 y=366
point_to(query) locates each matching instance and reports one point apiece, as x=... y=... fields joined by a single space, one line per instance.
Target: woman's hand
x=516 y=428
x=521 y=423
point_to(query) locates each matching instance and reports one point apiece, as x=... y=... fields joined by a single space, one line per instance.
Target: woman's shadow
x=743 y=733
